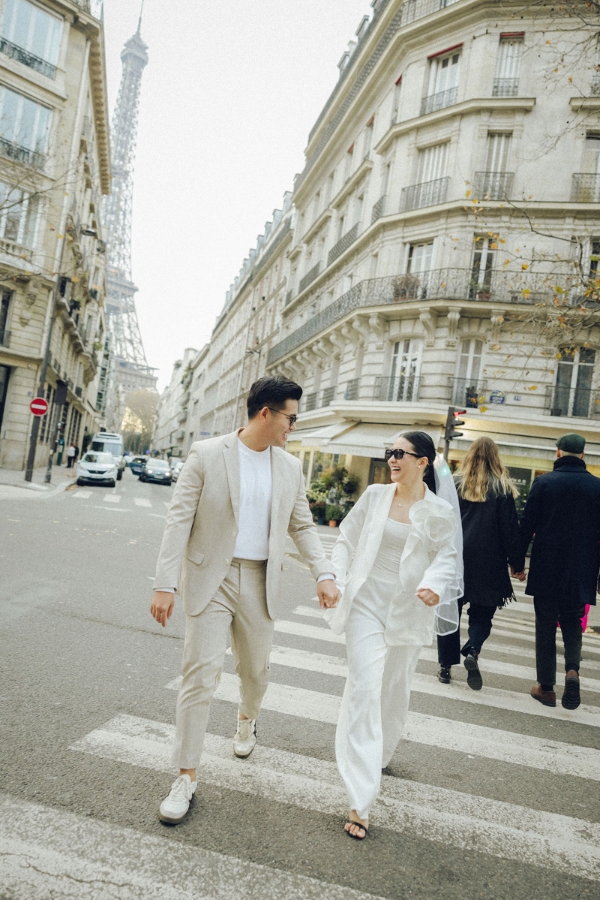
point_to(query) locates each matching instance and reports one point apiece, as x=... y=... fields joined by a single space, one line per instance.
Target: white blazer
x=428 y=561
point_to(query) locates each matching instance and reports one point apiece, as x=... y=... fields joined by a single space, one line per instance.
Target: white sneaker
x=173 y=809
x=244 y=741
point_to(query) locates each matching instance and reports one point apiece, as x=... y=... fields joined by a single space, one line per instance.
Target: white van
x=107 y=442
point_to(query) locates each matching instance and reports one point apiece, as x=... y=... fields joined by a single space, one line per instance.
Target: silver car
x=97 y=467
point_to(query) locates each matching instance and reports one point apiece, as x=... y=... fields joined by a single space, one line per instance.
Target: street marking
x=81 y=495
x=139 y=501
x=112 y=498
x=451 y=818
x=53 y=853
x=287 y=698
x=317 y=632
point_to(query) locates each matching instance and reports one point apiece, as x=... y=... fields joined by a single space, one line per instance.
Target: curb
x=39 y=488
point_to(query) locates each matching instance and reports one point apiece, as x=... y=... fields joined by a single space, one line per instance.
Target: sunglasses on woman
x=399 y=454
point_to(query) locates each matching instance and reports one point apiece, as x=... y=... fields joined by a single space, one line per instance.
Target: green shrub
x=334 y=512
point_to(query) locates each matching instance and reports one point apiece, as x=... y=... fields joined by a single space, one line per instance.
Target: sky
x=228 y=98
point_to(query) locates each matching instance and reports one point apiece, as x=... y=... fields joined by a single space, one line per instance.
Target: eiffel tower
x=130 y=370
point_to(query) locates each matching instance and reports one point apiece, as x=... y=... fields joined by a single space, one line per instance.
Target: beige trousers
x=240 y=608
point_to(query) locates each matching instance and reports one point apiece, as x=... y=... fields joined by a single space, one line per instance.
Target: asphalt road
x=490 y=796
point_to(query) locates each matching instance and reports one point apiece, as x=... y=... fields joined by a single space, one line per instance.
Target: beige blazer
x=202 y=524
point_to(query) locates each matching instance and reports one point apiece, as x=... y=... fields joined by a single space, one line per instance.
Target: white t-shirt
x=256 y=492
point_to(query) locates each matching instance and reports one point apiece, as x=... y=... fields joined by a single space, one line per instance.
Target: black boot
x=474 y=679
x=444 y=674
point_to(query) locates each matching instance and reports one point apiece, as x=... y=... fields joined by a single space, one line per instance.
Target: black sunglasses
x=399 y=454
x=293 y=419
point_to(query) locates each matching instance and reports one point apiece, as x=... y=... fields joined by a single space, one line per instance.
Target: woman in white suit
x=398 y=564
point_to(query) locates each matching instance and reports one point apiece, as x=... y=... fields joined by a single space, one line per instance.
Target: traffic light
x=452 y=422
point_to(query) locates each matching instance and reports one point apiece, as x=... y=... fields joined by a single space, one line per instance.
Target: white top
x=256 y=491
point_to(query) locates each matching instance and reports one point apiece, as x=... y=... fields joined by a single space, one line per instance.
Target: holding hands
x=520 y=576
x=328 y=594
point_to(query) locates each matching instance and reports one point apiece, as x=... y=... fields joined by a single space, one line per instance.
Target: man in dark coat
x=563 y=513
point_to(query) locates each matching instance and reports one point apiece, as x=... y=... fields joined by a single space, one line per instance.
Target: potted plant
x=334 y=514
x=351 y=485
x=319 y=510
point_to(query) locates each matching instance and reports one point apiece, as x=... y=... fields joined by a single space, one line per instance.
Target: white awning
x=372 y=440
x=315 y=437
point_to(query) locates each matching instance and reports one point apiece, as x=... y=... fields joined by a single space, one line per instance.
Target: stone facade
x=443 y=245
x=170 y=430
x=54 y=169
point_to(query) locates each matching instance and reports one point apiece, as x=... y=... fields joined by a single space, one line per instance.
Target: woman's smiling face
x=409 y=467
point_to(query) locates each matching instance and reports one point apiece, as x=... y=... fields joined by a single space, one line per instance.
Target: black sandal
x=355 y=836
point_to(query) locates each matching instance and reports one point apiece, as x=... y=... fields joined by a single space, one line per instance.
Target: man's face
x=278 y=424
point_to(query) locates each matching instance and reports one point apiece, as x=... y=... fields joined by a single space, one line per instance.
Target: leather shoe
x=444 y=675
x=571 y=697
x=548 y=698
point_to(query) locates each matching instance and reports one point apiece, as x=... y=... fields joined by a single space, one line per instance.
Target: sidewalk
x=61 y=479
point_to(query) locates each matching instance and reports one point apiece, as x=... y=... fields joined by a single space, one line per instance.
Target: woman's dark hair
x=424 y=446
x=271 y=391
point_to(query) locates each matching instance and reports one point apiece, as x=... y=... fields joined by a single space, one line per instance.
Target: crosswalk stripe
x=284 y=698
x=316 y=613
x=140 y=501
x=49 y=852
x=81 y=495
x=452 y=818
x=112 y=498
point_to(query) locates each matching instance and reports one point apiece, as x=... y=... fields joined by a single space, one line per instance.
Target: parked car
x=110 y=442
x=176 y=467
x=97 y=468
x=137 y=463
x=157 y=470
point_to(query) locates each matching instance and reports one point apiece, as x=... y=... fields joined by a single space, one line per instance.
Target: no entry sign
x=39 y=406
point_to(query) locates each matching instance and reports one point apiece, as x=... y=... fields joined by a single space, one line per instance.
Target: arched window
x=573 y=389
x=467 y=384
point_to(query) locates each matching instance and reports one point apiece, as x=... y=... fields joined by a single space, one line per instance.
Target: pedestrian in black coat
x=562 y=515
x=490 y=543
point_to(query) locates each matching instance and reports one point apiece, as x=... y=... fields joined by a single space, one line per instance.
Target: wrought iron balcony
x=595 y=87
x=438 y=101
x=310 y=276
x=501 y=287
x=411 y=10
x=397 y=389
x=352 y=389
x=505 y=87
x=21 y=154
x=27 y=58
x=429 y=193
x=310 y=401
x=328 y=396
x=585 y=188
x=343 y=244
x=379 y=209
x=493 y=185
x=467 y=392
x=289 y=297
x=580 y=403
x=4 y=338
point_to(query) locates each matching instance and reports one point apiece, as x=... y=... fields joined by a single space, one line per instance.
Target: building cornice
x=317 y=225
x=476 y=104
x=586 y=104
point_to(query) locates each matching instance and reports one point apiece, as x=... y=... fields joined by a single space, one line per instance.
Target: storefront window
x=380 y=472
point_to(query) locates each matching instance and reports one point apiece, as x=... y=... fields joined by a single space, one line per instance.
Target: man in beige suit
x=236 y=499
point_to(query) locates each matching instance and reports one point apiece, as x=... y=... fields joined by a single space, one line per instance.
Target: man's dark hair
x=271 y=391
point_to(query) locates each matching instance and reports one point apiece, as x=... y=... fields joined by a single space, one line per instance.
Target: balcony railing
x=27 y=58
x=493 y=185
x=328 y=396
x=343 y=244
x=310 y=276
x=501 y=287
x=397 y=389
x=467 y=392
x=585 y=188
x=505 y=87
x=580 y=403
x=411 y=10
x=4 y=338
x=379 y=209
x=429 y=193
x=352 y=389
x=289 y=296
x=595 y=86
x=439 y=101
x=310 y=402
x=21 y=154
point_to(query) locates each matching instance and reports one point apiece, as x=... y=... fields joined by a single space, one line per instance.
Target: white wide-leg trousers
x=375 y=703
